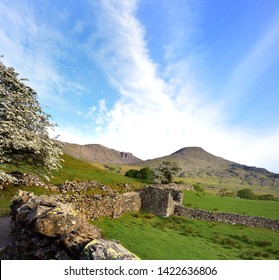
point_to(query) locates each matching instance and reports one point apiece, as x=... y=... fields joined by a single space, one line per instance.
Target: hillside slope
x=99 y=153
x=197 y=163
x=194 y=161
x=79 y=170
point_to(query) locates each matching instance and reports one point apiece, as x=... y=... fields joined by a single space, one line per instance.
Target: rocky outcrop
x=43 y=228
x=230 y=218
x=26 y=180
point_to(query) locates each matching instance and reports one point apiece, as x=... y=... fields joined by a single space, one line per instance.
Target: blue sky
x=150 y=76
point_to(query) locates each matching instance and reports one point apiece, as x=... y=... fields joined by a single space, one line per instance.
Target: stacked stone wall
x=26 y=180
x=109 y=205
x=43 y=228
x=84 y=186
x=230 y=218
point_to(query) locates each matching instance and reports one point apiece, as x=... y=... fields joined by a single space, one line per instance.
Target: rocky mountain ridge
x=99 y=153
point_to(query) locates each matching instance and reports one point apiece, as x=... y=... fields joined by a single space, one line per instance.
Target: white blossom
x=24 y=139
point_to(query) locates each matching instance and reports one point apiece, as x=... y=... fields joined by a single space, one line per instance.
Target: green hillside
x=210 y=202
x=75 y=169
x=72 y=169
x=152 y=237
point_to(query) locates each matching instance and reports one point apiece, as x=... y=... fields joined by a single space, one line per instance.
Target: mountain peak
x=196 y=153
x=189 y=150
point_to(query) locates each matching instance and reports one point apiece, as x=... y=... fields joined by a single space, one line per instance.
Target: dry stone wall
x=25 y=180
x=97 y=205
x=93 y=206
x=159 y=200
x=43 y=228
x=234 y=219
x=56 y=227
x=84 y=186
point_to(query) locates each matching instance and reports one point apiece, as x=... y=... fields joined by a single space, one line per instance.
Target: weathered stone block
x=106 y=250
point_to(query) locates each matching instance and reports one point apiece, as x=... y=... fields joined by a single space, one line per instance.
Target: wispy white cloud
x=157 y=114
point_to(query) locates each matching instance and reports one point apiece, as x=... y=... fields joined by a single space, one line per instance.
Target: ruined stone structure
x=230 y=218
x=161 y=201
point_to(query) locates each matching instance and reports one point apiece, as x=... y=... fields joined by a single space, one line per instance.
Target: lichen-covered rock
x=101 y=249
x=43 y=228
x=55 y=224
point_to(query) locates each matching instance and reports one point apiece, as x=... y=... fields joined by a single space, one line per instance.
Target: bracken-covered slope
x=99 y=153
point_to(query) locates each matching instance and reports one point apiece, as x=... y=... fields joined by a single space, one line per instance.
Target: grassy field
x=178 y=238
x=174 y=238
x=268 y=209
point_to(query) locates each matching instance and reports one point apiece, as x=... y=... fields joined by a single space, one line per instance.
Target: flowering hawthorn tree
x=165 y=172
x=24 y=138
